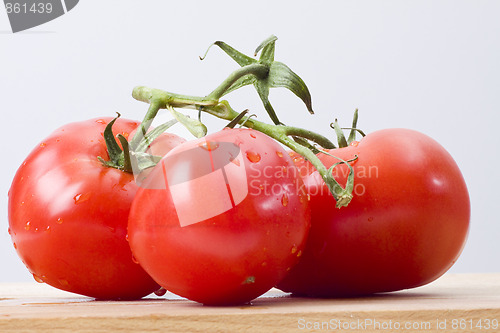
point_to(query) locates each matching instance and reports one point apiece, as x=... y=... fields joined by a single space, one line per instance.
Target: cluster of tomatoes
x=224 y=218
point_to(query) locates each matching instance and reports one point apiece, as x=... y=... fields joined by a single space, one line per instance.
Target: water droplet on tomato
x=160 y=292
x=43 y=144
x=47 y=230
x=126 y=237
x=280 y=154
x=22 y=203
x=134 y=259
x=79 y=198
x=253 y=157
x=59 y=220
x=27 y=226
x=249 y=280
x=37 y=278
x=15 y=245
x=284 y=200
x=294 y=249
x=9 y=231
x=299 y=254
x=209 y=145
x=253 y=135
x=354 y=143
x=100 y=121
x=63 y=282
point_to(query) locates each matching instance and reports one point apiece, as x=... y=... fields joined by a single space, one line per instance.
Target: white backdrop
x=432 y=66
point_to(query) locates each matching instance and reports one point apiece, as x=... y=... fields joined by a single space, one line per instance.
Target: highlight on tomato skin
x=221 y=219
x=68 y=214
x=405 y=227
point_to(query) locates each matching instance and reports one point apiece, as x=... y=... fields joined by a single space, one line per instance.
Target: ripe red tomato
x=221 y=219
x=405 y=226
x=68 y=214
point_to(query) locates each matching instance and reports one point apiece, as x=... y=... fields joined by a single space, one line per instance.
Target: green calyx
x=273 y=74
x=342 y=141
x=131 y=157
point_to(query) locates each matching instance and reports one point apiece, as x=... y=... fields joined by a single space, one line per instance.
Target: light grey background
x=432 y=66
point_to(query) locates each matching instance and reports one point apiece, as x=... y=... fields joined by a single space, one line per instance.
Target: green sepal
x=144 y=161
x=194 y=126
x=152 y=135
x=240 y=58
x=267 y=47
x=340 y=135
x=116 y=156
x=127 y=166
x=241 y=82
x=353 y=129
x=280 y=75
x=262 y=88
x=352 y=133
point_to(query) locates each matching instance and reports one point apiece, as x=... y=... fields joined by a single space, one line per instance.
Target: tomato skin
x=406 y=225
x=68 y=214
x=238 y=254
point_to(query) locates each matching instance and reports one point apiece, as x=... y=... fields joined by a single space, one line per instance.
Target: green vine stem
x=264 y=73
x=162 y=99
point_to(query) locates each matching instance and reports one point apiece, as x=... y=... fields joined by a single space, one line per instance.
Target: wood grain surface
x=453 y=303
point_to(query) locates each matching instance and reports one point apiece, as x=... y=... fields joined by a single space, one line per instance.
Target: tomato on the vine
x=405 y=226
x=221 y=219
x=68 y=214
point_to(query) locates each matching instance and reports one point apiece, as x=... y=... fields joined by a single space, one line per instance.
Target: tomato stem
x=280 y=133
x=263 y=73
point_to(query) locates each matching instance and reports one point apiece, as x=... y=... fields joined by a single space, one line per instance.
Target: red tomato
x=68 y=214
x=221 y=219
x=405 y=226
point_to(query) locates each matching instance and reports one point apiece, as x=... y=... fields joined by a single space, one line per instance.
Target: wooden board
x=453 y=303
